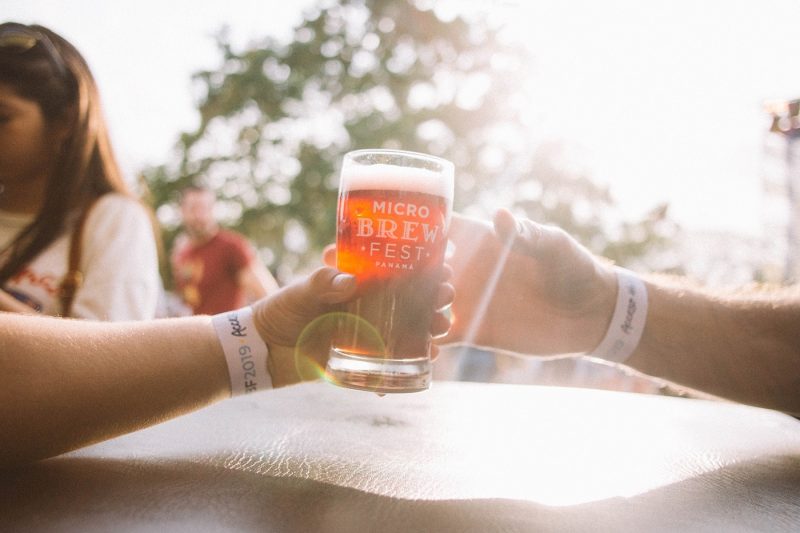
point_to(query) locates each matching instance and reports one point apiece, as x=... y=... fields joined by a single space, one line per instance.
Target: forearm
x=76 y=382
x=744 y=349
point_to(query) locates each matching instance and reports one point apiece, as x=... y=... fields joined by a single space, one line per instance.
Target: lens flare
x=315 y=339
x=479 y=313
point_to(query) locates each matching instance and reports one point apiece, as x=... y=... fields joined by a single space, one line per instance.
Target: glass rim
x=405 y=153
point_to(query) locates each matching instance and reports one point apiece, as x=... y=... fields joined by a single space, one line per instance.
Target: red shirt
x=206 y=275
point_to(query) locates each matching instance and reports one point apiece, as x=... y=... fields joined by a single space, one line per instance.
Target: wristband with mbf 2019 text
x=245 y=351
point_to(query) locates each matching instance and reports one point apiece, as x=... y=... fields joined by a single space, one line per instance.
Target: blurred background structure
x=782 y=190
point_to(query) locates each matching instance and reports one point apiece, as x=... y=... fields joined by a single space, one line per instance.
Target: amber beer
x=393 y=214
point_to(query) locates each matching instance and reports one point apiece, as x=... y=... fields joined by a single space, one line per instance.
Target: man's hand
x=528 y=288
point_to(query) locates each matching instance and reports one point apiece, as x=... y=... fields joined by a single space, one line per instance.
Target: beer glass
x=391 y=234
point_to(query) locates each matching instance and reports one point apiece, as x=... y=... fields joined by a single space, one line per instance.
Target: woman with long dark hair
x=74 y=241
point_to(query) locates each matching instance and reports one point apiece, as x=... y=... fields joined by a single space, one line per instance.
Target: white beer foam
x=381 y=177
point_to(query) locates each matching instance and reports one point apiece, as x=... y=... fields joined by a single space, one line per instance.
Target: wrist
x=281 y=363
x=246 y=353
x=627 y=321
x=599 y=309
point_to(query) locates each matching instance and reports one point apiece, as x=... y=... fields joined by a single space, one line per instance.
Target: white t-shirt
x=119 y=263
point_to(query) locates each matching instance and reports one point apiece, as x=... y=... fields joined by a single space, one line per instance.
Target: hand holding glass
x=391 y=233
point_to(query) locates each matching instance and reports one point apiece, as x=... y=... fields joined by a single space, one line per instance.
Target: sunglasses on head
x=19 y=38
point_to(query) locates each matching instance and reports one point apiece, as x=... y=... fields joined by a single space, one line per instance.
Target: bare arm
x=68 y=383
x=744 y=347
x=548 y=295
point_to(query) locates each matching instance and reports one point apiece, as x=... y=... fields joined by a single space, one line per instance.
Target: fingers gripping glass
x=20 y=38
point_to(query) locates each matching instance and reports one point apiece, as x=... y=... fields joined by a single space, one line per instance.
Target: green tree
x=276 y=119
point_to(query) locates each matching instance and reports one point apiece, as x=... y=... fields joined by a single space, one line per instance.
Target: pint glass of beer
x=391 y=233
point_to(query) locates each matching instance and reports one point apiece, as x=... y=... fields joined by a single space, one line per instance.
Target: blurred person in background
x=214 y=269
x=528 y=288
x=74 y=241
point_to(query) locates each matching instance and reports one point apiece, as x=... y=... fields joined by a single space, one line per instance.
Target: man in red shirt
x=215 y=270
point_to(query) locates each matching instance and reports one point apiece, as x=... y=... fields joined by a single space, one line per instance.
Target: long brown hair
x=86 y=167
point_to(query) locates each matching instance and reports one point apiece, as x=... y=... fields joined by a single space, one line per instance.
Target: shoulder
x=116 y=205
x=118 y=213
x=118 y=218
x=239 y=248
x=232 y=238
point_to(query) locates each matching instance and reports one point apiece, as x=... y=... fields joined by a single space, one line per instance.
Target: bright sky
x=662 y=99
x=666 y=97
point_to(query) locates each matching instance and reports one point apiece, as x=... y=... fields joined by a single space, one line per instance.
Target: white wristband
x=245 y=351
x=628 y=321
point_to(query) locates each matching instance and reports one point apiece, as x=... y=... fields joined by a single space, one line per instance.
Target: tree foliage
x=277 y=117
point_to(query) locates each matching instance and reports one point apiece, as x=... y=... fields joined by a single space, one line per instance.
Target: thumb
x=282 y=316
x=527 y=237
x=330 y=286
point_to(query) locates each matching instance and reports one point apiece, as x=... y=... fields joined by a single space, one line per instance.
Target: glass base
x=378 y=375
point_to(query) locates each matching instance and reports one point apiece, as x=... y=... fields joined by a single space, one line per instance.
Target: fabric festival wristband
x=628 y=321
x=245 y=352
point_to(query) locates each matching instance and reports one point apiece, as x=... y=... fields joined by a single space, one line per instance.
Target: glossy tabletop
x=460 y=457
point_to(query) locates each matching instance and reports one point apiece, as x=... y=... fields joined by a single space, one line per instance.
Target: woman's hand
x=282 y=320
